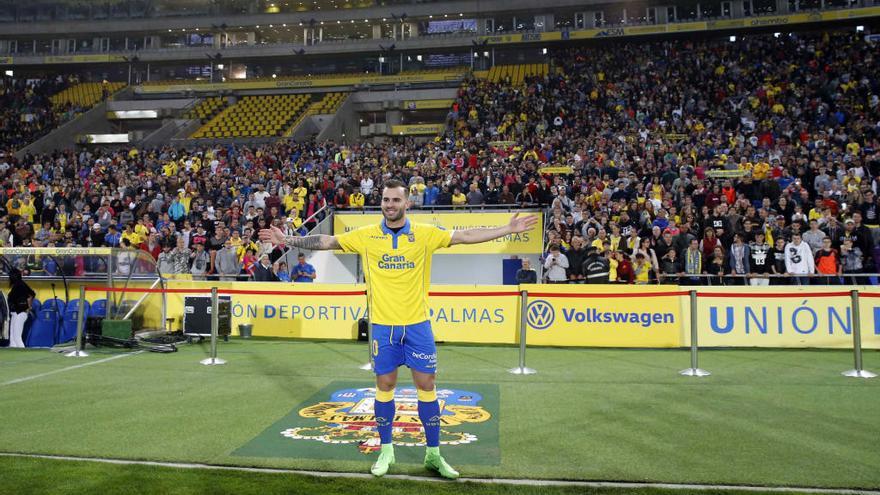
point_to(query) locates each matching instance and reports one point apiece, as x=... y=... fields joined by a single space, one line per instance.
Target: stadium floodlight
x=860 y=29
x=8 y=73
x=733 y=39
x=274 y=76
x=776 y=35
x=543 y=51
x=419 y=58
x=220 y=66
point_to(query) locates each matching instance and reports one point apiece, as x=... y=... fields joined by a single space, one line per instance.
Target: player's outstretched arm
x=311 y=242
x=476 y=236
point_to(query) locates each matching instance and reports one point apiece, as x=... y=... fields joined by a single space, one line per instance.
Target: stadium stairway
x=89 y=98
x=327 y=105
x=206 y=109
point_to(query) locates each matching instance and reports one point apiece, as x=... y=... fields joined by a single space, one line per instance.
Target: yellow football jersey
x=397 y=268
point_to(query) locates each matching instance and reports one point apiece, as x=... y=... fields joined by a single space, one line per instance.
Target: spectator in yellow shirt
x=761 y=170
x=853 y=148
x=133 y=237
x=141 y=230
x=356 y=199
x=302 y=191
x=27 y=210
x=458 y=199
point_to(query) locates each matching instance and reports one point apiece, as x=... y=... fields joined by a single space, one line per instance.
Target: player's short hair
x=393 y=184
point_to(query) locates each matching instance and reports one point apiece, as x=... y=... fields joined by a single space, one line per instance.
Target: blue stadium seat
x=98 y=308
x=35 y=308
x=67 y=328
x=74 y=305
x=56 y=304
x=44 y=329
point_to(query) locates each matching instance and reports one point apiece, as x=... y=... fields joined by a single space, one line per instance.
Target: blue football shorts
x=410 y=345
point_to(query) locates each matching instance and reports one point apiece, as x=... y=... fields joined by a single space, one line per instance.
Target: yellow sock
x=384 y=396
x=427 y=395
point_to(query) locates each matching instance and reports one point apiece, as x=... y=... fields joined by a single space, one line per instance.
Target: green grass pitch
x=765 y=417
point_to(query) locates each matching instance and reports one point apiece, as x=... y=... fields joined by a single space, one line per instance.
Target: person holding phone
x=302 y=271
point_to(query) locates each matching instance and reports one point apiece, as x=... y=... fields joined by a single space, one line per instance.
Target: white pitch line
x=494 y=481
x=41 y=375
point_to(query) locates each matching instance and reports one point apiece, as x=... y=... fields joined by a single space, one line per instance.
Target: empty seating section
x=255 y=116
x=329 y=103
x=517 y=73
x=85 y=95
x=206 y=109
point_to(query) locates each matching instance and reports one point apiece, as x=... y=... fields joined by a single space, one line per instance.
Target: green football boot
x=435 y=462
x=385 y=460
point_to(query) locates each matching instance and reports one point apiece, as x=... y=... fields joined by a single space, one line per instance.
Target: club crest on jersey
x=411 y=237
x=348 y=419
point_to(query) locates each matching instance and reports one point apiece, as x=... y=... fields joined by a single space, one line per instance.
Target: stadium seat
x=75 y=303
x=98 y=308
x=36 y=305
x=56 y=304
x=67 y=328
x=44 y=329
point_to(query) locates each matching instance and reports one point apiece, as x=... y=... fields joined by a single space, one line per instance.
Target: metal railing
x=513 y=207
x=708 y=278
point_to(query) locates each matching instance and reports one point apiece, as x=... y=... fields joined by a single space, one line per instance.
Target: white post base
x=212 y=361
x=521 y=371
x=694 y=372
x=859 y=374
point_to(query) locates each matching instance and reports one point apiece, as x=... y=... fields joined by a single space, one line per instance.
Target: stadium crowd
x=26 y=111
x=713 y=159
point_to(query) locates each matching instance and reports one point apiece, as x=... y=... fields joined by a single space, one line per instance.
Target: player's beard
x=389 y=217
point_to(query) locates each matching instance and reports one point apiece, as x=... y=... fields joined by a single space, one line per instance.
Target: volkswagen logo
x=540 y=314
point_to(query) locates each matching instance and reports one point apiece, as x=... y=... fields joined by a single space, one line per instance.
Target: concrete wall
x=175 y=104
x=405 y=94
x=92 y=122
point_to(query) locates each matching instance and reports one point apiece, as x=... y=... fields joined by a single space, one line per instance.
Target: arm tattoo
x=313 y=242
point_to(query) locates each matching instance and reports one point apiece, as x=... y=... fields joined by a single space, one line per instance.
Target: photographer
x=20 y=298
x=555 y=266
